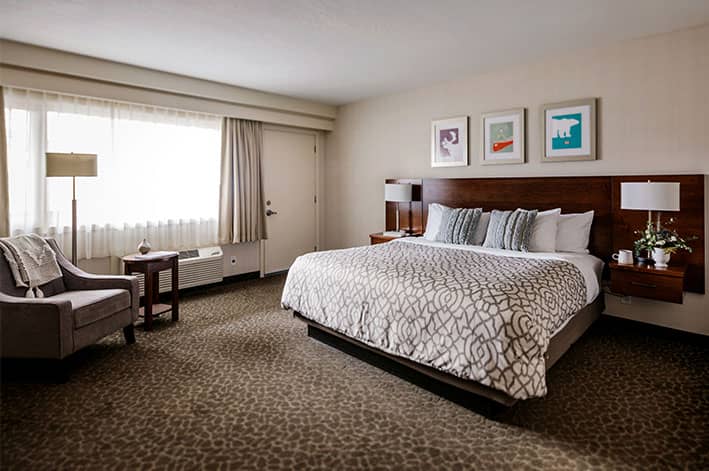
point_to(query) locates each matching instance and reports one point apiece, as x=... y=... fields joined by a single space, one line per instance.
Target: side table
x=151 y=264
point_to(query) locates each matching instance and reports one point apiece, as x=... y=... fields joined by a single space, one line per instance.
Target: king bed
x=482 y=315
x=484 y=320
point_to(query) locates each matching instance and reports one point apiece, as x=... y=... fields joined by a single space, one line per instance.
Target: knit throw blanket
x=32 y=262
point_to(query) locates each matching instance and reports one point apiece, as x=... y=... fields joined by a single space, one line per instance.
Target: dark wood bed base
x=445 y=384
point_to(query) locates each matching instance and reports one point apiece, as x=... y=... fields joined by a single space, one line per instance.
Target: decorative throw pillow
x=481 y=228
x=458 y=225
x=510 y=229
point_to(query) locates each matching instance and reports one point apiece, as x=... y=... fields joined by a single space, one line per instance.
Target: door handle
x=270 y=213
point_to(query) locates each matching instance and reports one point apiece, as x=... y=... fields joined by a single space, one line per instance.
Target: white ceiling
x=336 y=51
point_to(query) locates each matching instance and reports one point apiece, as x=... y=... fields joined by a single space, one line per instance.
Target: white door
x=289 y=192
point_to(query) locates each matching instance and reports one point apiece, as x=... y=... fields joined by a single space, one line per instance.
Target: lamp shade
x=651 y=196
x=398 y=192
x=71 y=165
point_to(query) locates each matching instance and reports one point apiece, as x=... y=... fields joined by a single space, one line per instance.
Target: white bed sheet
x=591 y=267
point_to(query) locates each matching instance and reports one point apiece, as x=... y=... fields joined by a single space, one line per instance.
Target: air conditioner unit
x=197 y=267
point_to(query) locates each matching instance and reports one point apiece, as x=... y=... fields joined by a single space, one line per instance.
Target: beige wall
x=653 y=101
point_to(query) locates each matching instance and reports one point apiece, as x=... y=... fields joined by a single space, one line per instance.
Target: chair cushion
x=93 y=305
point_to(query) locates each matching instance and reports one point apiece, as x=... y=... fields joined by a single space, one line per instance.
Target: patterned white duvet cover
x=475 y=315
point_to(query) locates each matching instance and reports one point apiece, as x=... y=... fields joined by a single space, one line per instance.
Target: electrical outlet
x=233 y=260
x=626 y=300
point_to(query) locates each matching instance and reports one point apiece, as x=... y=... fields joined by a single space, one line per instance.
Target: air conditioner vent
x=197 y=267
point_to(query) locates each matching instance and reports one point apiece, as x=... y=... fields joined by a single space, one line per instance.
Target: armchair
x=78 y=309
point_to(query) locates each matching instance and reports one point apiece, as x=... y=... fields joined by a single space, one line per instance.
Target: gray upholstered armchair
x=77 y=310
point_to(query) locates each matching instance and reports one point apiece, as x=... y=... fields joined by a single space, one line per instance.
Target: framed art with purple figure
x=449 y=142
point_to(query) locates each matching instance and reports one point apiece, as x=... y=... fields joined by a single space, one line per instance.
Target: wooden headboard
x=612 y=227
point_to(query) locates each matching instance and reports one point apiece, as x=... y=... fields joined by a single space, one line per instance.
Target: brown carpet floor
x=237 y=384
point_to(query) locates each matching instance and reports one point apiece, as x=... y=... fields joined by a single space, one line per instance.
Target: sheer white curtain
x=158 y=173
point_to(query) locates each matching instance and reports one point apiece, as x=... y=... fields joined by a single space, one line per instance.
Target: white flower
x=660 y=242
x=673 y=239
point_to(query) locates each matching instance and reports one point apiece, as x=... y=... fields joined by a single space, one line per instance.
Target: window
x=158 y=173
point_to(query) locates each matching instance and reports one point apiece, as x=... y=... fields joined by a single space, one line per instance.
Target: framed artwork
x=503 y=137
x=449 y=142
x=569 y=130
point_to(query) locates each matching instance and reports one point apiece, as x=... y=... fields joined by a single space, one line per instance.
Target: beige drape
x=241 y=208
x=4 y=192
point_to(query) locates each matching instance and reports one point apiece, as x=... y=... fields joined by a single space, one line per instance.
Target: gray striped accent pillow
x=510 y=229
x=458 y=225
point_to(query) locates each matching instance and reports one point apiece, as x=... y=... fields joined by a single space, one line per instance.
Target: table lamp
x=398 y=193
x=650 y=196
x=71 y=165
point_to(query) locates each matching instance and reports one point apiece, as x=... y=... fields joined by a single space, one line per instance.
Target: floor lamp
x=71 y=165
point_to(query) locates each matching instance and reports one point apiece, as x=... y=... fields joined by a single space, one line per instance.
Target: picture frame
x=569 y=130
x=449 y=142
x=503 y=137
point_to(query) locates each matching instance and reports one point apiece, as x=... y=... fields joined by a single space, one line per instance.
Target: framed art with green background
x=569 y=130
x=503 y=137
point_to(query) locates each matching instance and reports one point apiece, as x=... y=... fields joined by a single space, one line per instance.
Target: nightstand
x=380 y=238
x=663 y=284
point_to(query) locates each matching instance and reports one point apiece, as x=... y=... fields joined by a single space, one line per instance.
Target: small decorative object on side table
x=664 y=284
x=382 y=237
x=151 y=264
x=661 y=243
x=144 y=247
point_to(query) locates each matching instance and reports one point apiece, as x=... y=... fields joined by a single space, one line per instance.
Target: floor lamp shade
x=650 y=196
x=71 y=165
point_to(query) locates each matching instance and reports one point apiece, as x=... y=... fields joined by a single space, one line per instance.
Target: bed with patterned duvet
x=480 y=314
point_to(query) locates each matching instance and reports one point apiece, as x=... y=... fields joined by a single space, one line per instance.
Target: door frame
x=319 y=144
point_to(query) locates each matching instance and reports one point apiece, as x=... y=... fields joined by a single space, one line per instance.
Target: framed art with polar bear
x=449 y=142
x=569 y=130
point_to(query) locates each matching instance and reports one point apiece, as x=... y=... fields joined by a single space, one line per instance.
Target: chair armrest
x=76 y=279
x=35 y=327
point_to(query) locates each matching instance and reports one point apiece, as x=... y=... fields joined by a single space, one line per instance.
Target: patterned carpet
x=237 y=384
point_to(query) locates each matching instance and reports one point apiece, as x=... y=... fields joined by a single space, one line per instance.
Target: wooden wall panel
x=689 y=222
x=571 y=194
x=612 y=227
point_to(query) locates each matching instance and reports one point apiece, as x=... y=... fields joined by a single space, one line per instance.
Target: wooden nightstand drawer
x=380 y=238
x=660 y=284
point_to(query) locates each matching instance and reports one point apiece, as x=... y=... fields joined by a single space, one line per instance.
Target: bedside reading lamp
x=397 y=193
x=650 y=196
x=71 y=165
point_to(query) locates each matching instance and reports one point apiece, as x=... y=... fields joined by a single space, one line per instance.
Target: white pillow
x=543 y=235
x=433 y=224
x=481 y=229
x=573 y=232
